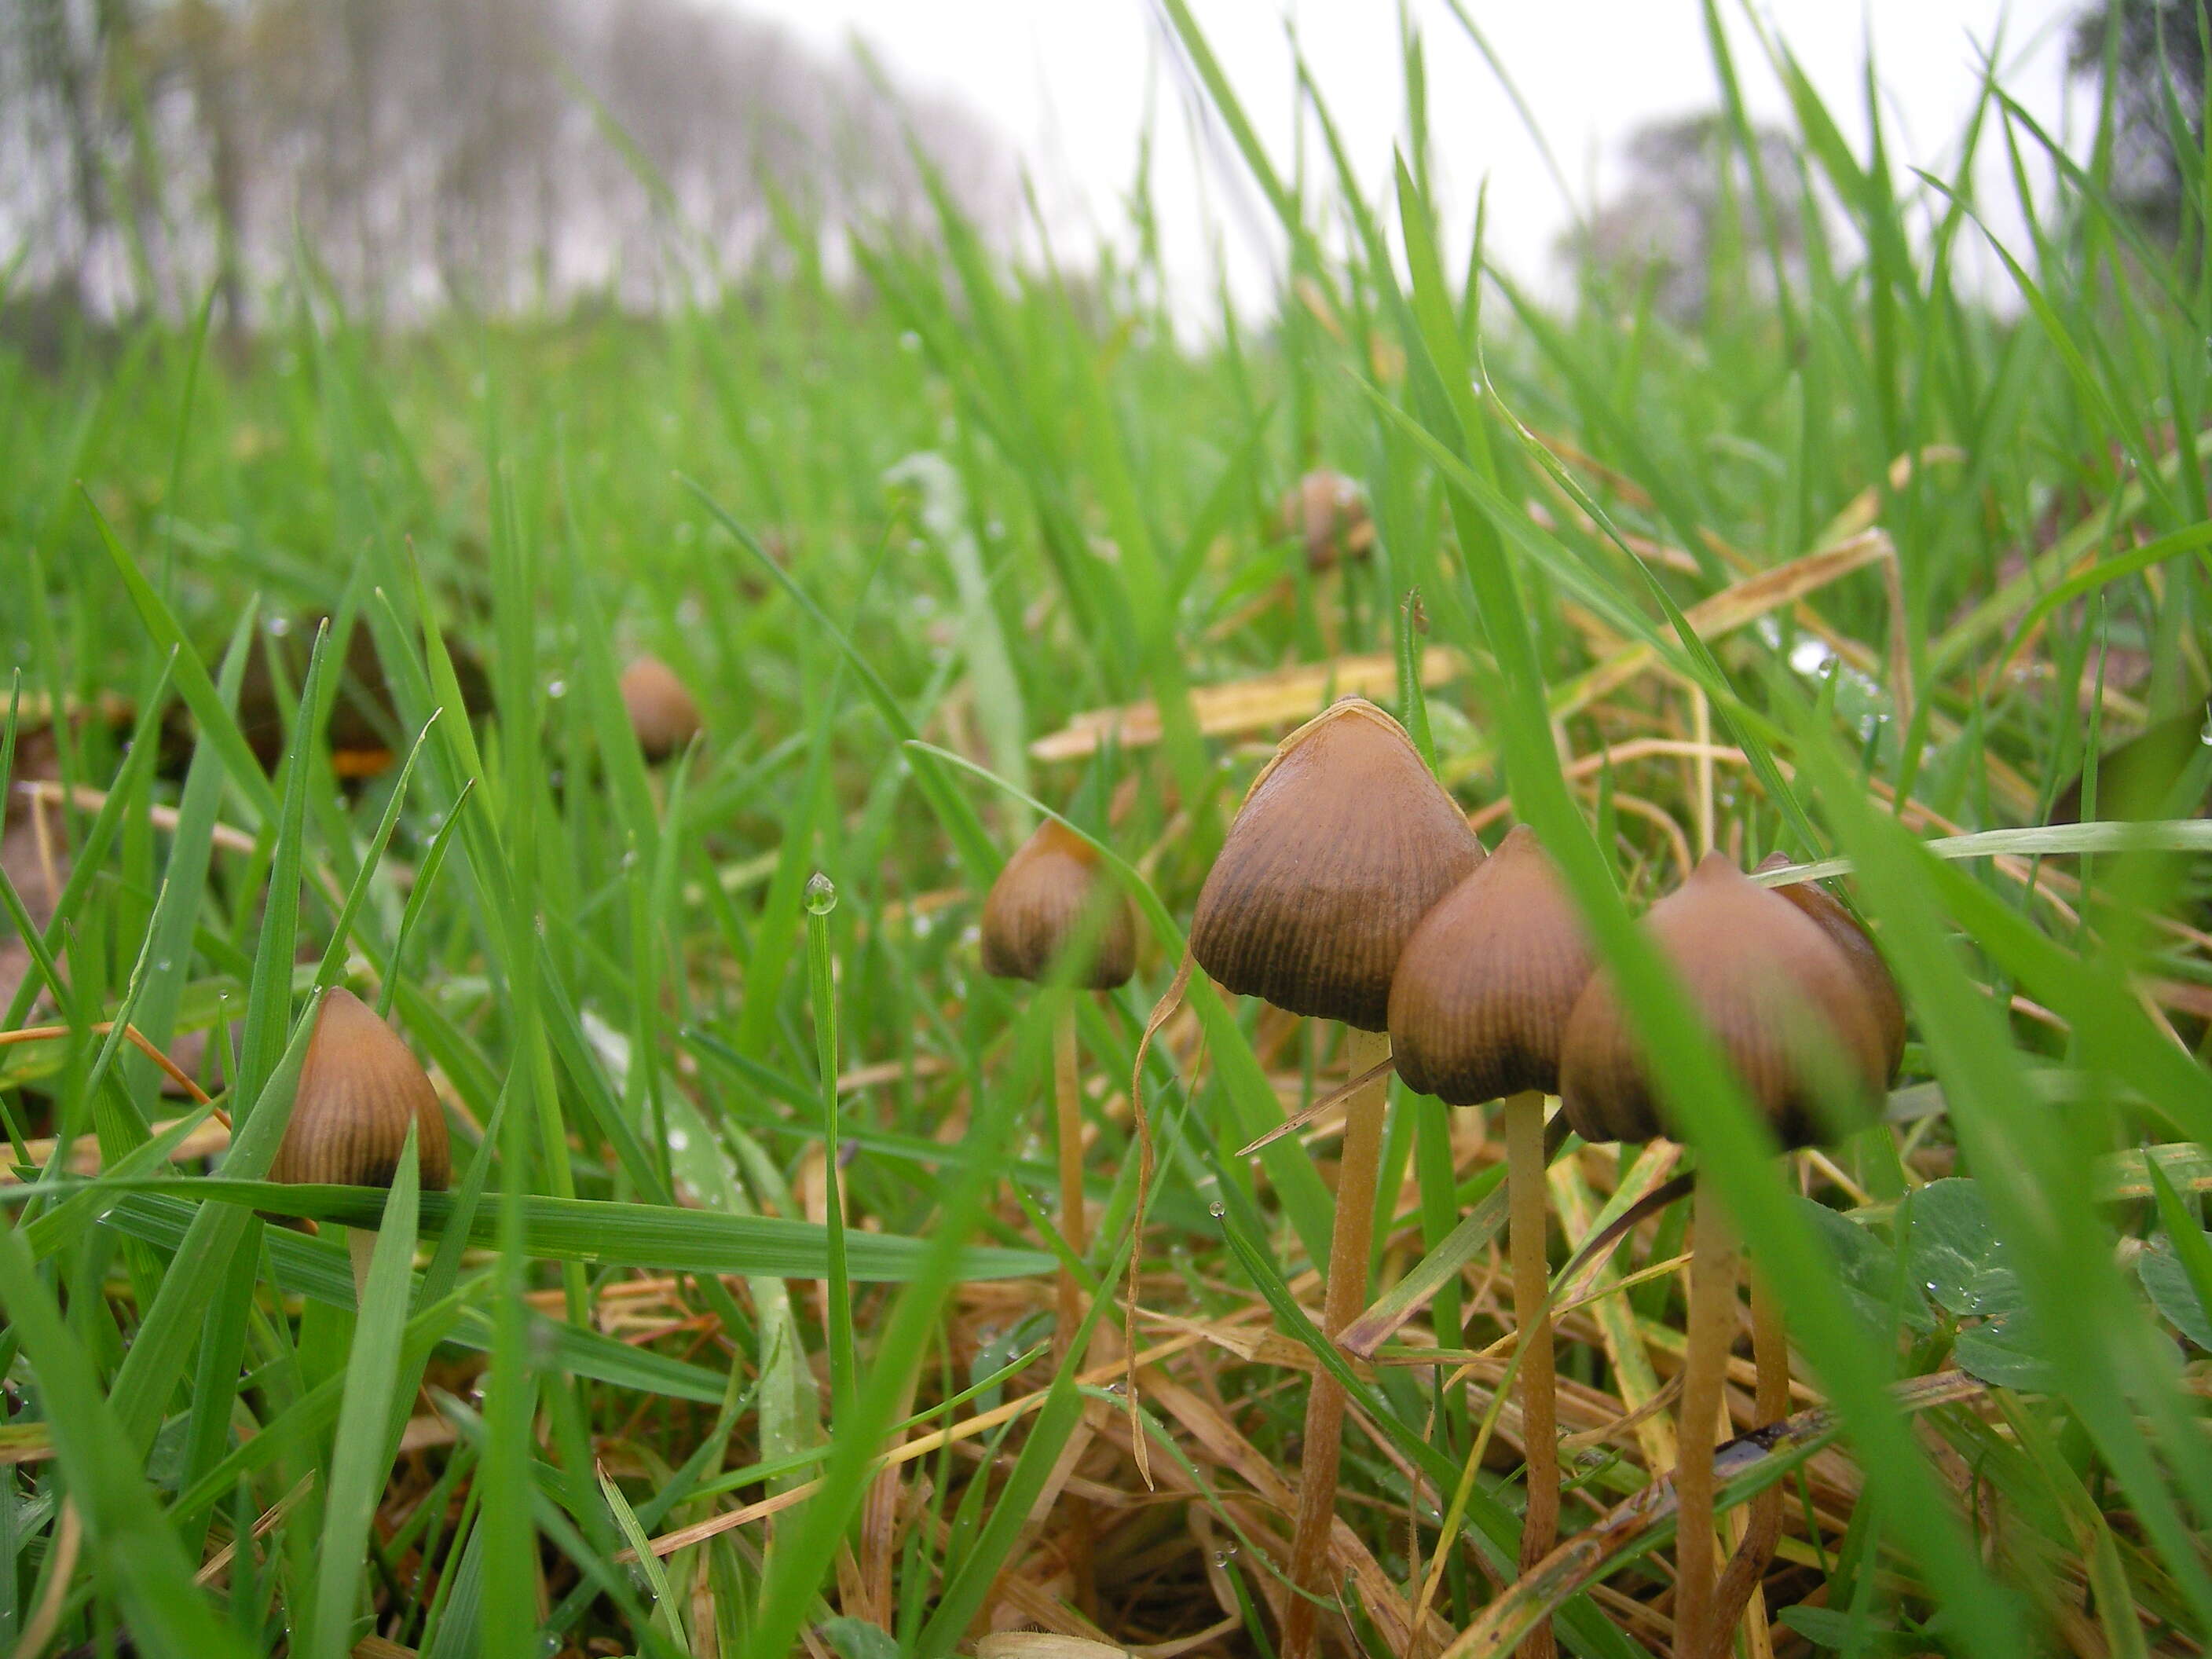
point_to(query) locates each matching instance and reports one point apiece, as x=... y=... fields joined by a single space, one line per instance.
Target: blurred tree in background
x=494 y=153
x=1689 y=204
x=2149 y=56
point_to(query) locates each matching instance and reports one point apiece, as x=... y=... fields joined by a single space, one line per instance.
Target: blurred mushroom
x=1800 y=1025
x=1343 y=843
x=661 y=712
x=1051 y=915
x=1327 y=512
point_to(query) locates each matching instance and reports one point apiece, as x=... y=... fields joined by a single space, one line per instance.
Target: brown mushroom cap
x=1479 y=1003
x=1327 y=512
x=1859 y=949
x=661 y=711
x=1779 y=995
x=1038 y=908
x=1342 y=845
x=360 y=1088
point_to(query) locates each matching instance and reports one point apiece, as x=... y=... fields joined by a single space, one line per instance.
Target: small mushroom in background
x=1327 y=514
x=1814 y=1045
x=1052 y=913
x=1053 y=918
x=365 y=733
x=361 y=1089
x=1479 y=1011
x=661 y=712
x=1343 y=843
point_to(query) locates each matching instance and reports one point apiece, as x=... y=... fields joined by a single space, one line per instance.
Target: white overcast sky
x=1068 y=83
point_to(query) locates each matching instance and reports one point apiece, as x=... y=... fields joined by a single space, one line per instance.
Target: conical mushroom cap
x=1344 y=842
x=1859 y=949
x=360 y=1088
x=1327 y=512
x=1779 y=994
x=1480 y=1004
x=661 y=711
x=1038 y=905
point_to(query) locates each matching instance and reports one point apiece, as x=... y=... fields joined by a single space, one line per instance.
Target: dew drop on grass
x=677 y=1141
x=2204 y=732
x=1216 y=1209
x=280 y=626
x=821 y=895
x=556 y=688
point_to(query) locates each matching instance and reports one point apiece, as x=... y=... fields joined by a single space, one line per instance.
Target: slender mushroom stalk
x=1050 y=902
x=1478 y=1011
x=360 y=1091
x=1051 y=916
x=1343 y=843
x=661 y=712
x=1805 y=1033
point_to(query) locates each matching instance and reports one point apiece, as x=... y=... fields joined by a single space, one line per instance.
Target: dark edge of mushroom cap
x=1859 y=949
x=1756 y=966
x=360 y=1087
x=1343 y=844
x=661 y=711
x=1036 y=908
x=1480 y=1004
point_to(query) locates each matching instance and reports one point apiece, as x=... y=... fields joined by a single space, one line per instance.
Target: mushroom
x=1343 y=843
x=661 y=712
x=1328 y=514
x=360 y=1091
x=1477 y=1012
x=1052 y=920
x=1049 y=916
x=1804 y=1032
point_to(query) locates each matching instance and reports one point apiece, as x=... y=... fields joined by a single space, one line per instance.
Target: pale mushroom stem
x=1067 y=1114
x=1532 y=1277
x=1770 y=1349
x=1344 y=1294
x=1068 y=1108
x=1705 y=1373
x=361 y=1245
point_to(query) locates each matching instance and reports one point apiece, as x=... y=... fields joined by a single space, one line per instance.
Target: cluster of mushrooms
x=1350 y=888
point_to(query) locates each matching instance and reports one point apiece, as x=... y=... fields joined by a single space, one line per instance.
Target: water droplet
x=558 y=689
x=1224 y=1556
x=677 y=1141
x=280 y=626
x=1810 y=656
x=1216 y=1209
x=161 y=966
x=821 y=894
x=909 y=341
x=2204 y=732
x=1116 y=1387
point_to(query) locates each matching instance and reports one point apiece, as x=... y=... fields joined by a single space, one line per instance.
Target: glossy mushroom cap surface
x=1328 y=514
x=661 y=711
x=1776 y=993
x=1858 y=947
x=359 y=1088
x=1039 y=906
x=1342 y=845
x=1478 y=1006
